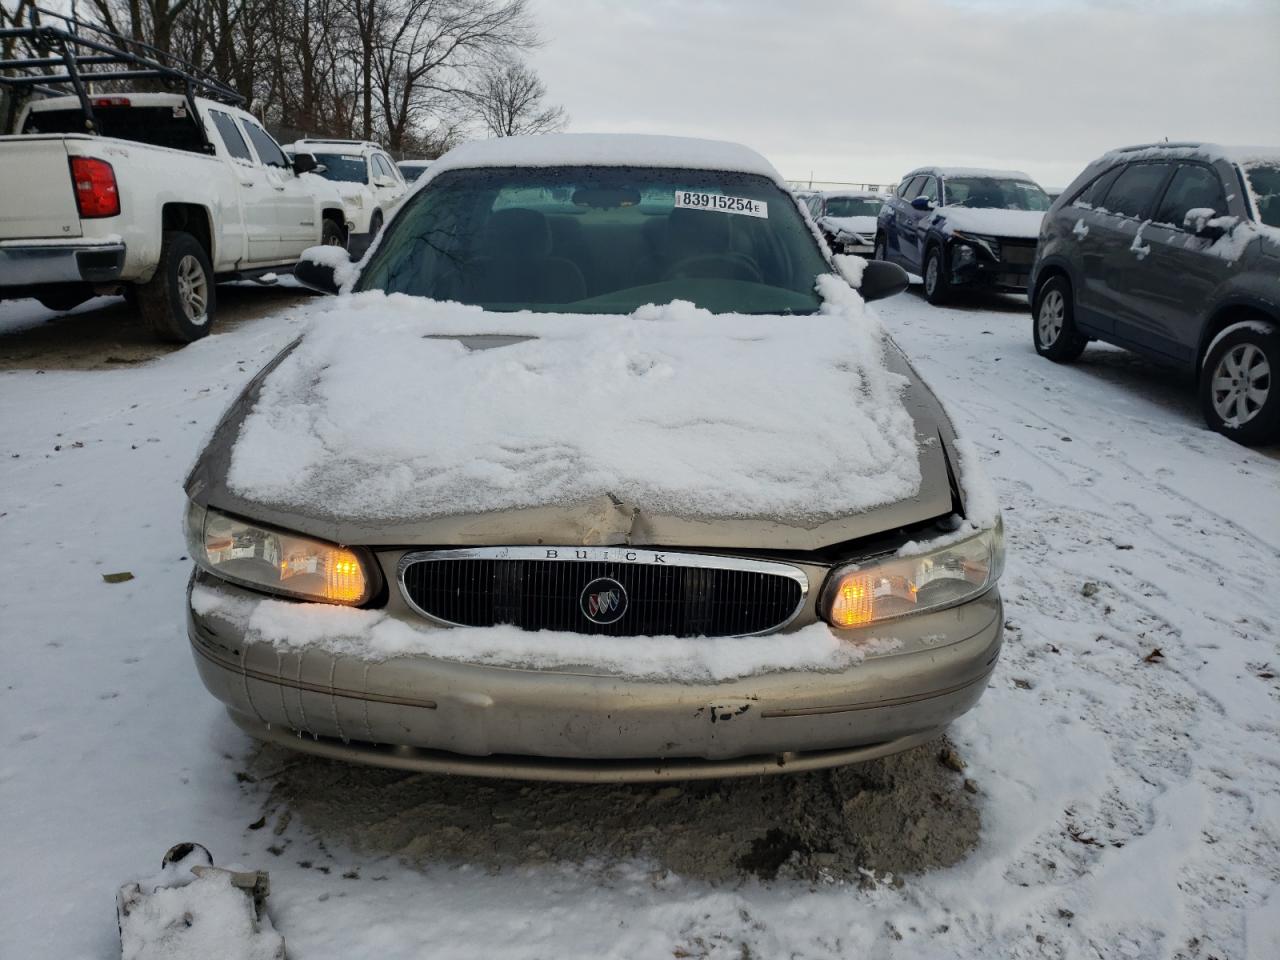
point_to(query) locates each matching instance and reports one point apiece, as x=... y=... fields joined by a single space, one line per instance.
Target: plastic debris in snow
x=193 y=910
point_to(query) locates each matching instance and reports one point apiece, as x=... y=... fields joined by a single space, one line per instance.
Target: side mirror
x=1205 y=222
x=922 y=203
x=881 y=279
x=323 y=269
x=383 y=181
x=305 y=163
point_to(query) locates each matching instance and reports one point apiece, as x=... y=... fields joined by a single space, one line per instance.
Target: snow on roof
x=948 y=172
x=607 y=150
x=1210 y=151
x=868 y=194
x=672 y=408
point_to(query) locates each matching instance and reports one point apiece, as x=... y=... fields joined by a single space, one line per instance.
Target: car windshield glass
x=852 y=207
x=996 y=192
x=349 y=168
x=1264 y=182
x=601 y=240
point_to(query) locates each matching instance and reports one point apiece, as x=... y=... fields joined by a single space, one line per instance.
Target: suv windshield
x=1264 y=183
x=601 y=240
x=997 y=193
x=852 y=207
x=349 y=168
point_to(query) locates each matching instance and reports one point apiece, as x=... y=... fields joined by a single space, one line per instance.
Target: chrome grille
x=660 y=592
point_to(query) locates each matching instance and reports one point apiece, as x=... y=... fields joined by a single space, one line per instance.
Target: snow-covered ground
x=1126 y=759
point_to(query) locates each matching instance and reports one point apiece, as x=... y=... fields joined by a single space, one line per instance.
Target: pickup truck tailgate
x=37 y=201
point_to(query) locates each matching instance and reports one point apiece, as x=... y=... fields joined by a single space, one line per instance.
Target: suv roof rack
x=1164 y=144
x=71 y=53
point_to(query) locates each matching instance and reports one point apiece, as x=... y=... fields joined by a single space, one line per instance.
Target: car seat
x=515 y=263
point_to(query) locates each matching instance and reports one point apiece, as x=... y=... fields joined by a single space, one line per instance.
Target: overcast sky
x=863 y=90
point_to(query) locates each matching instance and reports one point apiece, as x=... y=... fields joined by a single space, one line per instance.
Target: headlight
x=276 y=561
x=860 y=594
x=990 y=244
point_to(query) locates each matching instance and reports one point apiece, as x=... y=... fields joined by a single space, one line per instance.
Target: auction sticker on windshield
x=696 y=200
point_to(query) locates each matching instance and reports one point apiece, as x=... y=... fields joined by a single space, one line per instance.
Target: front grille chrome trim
x=640 y=556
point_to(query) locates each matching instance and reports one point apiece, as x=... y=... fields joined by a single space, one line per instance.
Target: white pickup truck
x=170 y=195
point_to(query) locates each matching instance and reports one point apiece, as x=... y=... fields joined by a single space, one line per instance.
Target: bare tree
x=508 y=100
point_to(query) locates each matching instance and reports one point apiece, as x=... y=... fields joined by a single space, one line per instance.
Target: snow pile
x=374 y=635
x=179 y=915
x=383 y=412
x=863 y=225
x=1022 y=224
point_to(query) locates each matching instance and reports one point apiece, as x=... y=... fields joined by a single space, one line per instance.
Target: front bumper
x=971 y=266
x=29 y=265
x=422 y=713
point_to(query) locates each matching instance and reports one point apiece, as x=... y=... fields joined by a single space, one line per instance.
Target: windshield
x=601 y=240
x=852 y=207
x=1264 y=183
x=996 y=193
x=348 y=168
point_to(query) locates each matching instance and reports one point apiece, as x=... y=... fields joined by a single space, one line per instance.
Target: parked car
x=1172 y=250
x=960 y=227
x=587 y=537
x=847 y=218
x=411 y=170
x=167 y=197
x=368 y=179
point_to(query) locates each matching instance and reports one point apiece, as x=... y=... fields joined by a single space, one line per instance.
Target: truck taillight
x=95 y=186
x=112 y=102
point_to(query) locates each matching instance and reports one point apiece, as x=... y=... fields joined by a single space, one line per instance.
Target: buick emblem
x=603 y=600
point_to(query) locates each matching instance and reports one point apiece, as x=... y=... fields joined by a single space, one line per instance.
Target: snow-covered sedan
x=596 y=469
x=960 y=227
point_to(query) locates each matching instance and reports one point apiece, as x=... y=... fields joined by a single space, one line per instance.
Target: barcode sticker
x=693 y=200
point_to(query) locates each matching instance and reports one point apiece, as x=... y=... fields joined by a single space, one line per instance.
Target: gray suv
x=1173 y=251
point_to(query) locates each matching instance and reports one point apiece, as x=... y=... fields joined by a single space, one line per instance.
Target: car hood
x=863 y=225
x=1015 y=224
x=396 y=421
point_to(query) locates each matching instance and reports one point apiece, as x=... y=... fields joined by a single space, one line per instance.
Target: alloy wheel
x=1241 y=384
x=193 y=290
x=1049 y=320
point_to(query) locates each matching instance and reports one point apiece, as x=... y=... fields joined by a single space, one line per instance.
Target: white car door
x=388 y=184
x=257 y=222
x=292 y=205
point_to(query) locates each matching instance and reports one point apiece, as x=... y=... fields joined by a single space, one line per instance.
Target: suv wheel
x=1238 y=391
x=178 y=301
x=1053 y=324
x=881 y=251
x=937 y=288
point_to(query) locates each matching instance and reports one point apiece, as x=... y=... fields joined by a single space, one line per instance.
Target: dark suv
x=960 y=227
x=1172 y=251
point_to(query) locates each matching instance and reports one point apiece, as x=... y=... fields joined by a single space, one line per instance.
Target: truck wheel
x=937 y=288
x=1238 y=390
x=332 y=234
x=178 y=302
x=1053 y=324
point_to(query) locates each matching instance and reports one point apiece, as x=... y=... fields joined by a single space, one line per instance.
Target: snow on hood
x=863 y=225
x=1019 y=224
x=381 y=412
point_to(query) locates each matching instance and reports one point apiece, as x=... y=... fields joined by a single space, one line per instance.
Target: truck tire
x=332 y=234
x=178 y=302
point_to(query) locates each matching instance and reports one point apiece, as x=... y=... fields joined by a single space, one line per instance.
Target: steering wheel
x=717 y=266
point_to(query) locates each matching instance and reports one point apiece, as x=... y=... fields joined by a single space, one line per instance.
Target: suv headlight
x=990 y=244
x=277 y=561
x=859 y=594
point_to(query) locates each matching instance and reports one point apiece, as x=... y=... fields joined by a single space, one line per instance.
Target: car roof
x=855 y=194
x=607 y=150
x=1191 y=148
x=332 y=146
x=947 y=172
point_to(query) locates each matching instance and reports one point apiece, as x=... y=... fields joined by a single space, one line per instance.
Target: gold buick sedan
x=596 y=468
